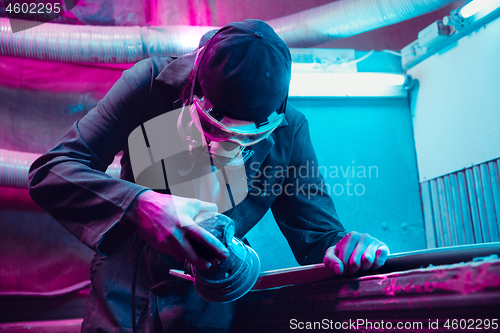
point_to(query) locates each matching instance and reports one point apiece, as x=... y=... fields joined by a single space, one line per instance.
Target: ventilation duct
x=14 y=167
x=96 y=44
x=341 y=19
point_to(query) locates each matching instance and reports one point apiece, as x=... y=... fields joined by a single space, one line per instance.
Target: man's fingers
x=369 y=255
x=347 y=245
x=381 y=257
x=357 y=253
x=332 y=261
x=191 y=255
x=200 y=235
x=177 y=255
x=366 y=262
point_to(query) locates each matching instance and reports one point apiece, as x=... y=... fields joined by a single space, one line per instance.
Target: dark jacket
x=69 y=182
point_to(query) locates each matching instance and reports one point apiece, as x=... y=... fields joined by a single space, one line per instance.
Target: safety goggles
x=218 y=127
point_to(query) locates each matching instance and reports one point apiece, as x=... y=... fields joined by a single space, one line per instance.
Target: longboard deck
x=395 y=262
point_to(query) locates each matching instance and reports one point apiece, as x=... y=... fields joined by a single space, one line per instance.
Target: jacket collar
x=178 y=71
x=260 y=151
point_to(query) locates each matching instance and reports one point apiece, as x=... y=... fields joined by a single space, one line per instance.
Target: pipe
x=96 y=44
x=342 y=19
x=14 y=168
x=339 y=19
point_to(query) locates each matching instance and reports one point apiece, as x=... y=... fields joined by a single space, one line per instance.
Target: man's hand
x=167 y=223
x=356 y=253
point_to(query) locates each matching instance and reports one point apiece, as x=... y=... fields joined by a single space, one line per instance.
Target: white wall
x=456 y=106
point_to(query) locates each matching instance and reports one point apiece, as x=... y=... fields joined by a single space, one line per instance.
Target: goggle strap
x=281 y=109
x=216 y=114
x=261 y=122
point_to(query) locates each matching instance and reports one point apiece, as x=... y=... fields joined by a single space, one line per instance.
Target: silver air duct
x=348 y=18
x=95 y=44
x=14 y=167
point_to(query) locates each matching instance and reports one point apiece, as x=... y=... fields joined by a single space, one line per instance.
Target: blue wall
x=375 y=137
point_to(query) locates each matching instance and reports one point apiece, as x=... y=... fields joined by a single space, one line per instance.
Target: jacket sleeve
x=69 y=180
x=304 y=210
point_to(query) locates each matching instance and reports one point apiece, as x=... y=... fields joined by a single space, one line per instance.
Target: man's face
x=229 y=132
x=229 y=146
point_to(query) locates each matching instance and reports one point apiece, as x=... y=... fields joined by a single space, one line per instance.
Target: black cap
x=245 y=70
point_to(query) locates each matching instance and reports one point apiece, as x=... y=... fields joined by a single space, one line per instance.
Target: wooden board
x=395 y=262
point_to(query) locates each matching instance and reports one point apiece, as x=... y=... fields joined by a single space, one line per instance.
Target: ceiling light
x=361 y=84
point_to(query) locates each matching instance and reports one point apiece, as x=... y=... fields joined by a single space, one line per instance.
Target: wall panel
x=463 y=207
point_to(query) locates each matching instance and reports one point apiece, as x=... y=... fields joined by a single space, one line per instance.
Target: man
x=225 y=103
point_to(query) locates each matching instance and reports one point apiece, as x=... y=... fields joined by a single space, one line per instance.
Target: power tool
x=227 y=279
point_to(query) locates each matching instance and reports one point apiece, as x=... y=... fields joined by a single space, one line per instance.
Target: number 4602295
x=33 y=8
x=471 y=324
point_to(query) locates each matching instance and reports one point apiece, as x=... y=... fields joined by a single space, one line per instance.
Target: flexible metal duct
x=96 y=44
x=347 y=18
x=311 y=27
x=14 y=167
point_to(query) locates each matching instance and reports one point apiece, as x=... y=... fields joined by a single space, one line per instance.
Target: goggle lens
x=217 y=127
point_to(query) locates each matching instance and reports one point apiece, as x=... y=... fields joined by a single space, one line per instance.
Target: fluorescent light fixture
x=474 y=7
x=348 y=85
